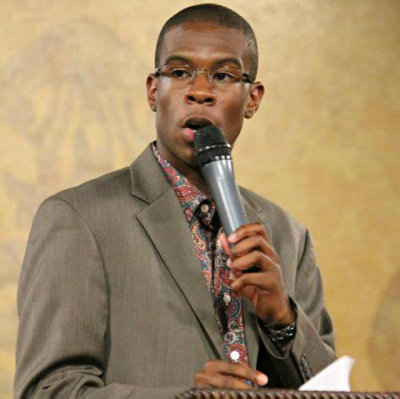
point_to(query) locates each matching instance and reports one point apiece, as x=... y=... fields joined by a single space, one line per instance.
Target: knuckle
x=209 y=365
x=235 y=251
x=239 y=284
x=276 y=267
x=201 y=380
x=259 y=240
x=259 y=255
x=261 y=228
x=244 y=279
x=275 y=258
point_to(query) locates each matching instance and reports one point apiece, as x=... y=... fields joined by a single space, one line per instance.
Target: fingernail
x=229 y=263
x=261 y=379
x=232 y=238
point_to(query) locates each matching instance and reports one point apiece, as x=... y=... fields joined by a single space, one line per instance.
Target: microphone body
x=214 y=158
x=220 y=178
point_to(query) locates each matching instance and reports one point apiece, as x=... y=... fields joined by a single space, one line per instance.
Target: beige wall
x=325 y=143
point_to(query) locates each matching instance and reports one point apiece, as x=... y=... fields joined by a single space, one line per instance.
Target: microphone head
x=210 y=144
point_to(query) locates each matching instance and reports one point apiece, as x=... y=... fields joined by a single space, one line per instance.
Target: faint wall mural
x=72 y=92
x=74 y=89
x=76 y=100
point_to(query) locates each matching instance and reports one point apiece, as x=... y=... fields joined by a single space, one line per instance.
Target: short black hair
x=216 y=14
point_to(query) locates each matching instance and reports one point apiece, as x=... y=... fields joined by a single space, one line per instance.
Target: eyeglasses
x=221 y=76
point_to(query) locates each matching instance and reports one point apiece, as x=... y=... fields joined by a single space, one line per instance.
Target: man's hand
x=265 y=288
x=224 y=375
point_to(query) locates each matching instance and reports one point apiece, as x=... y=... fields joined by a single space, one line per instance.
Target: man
x=126 y=290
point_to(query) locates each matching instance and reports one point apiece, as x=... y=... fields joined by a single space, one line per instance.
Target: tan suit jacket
x=113 y=303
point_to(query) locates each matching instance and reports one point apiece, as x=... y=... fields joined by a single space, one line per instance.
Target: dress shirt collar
x=193 y=201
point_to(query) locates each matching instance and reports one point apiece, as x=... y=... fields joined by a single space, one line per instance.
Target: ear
x=151 y=85
x=256 y=93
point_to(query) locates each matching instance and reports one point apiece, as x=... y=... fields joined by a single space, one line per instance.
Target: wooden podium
x=282 y=394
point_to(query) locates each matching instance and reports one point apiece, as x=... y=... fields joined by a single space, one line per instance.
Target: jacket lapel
x=166 y=226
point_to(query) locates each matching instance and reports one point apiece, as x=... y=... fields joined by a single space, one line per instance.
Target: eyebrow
x=229 y=60
x=223 y=61
x=173 y=58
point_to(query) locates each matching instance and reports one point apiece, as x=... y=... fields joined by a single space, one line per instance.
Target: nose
x=200 y=91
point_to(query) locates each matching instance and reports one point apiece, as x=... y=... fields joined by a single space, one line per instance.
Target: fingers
x=221 y=374
x=255 y=257
x=265 y=289
x=265 y=284
x=251 y=243
x=247 y=230
x=268 y=280
x=246 y=238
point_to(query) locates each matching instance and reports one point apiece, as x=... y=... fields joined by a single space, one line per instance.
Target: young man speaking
x=129 y=288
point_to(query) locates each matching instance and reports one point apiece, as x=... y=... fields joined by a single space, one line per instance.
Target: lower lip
x=189 y=133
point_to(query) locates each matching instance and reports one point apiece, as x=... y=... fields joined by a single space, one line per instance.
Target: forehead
x=205 y=43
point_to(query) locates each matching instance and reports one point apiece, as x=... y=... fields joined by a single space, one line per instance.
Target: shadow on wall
x=384 y=343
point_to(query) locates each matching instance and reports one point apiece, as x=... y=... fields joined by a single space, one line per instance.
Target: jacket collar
x=147 y=181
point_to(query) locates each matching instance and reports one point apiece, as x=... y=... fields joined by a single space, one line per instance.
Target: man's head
x=218 y=15
x=206 y=62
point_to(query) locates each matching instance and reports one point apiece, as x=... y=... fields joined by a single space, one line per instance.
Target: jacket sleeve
x=63 y=310
x=313 y=346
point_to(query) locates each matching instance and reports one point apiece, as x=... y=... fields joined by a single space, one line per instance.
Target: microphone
x=213 y=154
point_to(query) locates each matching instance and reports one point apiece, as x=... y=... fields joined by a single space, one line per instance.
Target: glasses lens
x=177 y=72
x=218 y=75
x=225 y=75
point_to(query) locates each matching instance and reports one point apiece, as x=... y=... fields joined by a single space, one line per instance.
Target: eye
x=180 y=73
x=224 y=77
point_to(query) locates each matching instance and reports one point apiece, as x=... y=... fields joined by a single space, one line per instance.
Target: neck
x=194 y=175
x=197 y=179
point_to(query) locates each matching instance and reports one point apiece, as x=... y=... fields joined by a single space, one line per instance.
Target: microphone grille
x=210 y=144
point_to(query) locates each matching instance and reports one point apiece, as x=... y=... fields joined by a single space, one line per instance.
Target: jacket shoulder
x=102 y=195
x=105 y=187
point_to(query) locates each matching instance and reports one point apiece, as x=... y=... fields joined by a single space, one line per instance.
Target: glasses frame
x=196 y=71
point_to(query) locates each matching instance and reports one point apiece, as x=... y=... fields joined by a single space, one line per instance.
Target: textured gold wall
x=325 y=143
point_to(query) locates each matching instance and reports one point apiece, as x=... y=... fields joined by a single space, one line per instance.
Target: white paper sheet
x=335 y=377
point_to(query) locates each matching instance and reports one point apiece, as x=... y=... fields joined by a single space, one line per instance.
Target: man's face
x=181 y=108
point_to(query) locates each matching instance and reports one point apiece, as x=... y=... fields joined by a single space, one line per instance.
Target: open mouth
x=197 y=122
